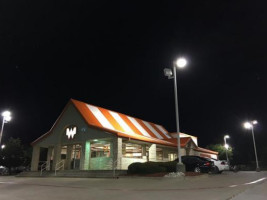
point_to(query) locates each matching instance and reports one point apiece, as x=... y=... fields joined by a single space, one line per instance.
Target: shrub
x=151 y=167
x=169 y=166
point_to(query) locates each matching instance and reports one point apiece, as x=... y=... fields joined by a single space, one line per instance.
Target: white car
x=226 y=165
x=219 y=165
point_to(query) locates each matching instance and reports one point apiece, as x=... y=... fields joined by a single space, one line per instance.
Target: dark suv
x=197 y=164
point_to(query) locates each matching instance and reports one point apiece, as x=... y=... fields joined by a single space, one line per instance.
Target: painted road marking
x=253 y=182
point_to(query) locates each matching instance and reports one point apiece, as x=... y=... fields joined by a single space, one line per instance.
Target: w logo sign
x=70 y=132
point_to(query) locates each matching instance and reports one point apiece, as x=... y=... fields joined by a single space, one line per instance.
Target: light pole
x=6 y=118
x=180 y=63
x=250 y=125
x=226 y=147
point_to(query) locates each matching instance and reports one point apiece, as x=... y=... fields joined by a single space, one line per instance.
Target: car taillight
x=223 y=163
x=207 y=164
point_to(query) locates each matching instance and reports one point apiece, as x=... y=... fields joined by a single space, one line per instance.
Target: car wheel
x=220 y=172
x=197 y=169
x=216 y=170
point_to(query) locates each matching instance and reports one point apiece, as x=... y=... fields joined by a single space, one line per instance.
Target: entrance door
x=75 y=156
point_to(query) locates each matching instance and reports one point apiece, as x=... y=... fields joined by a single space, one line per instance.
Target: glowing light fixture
x=247 y=125
x=226 y=146
x=181 y=62
x=6 y=118
x=6 y=113
x=226 y=136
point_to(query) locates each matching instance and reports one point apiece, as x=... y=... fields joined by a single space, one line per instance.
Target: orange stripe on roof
x=111 y=120
x=86 y=113
x=146 y=129
x=130 y=124
x=183 y=141
x=92 y=120
x=155 y=127
x=165 y=130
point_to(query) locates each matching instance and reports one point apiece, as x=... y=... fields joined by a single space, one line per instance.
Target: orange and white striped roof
x=123 y=125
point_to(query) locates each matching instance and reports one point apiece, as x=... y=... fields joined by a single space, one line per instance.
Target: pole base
x=258 y=169
x=180 y=167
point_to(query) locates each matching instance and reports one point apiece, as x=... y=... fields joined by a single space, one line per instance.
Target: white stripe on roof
x=100 y=117
x=152 y=129
x=122 y=123
x=163 y=130
x=139 y=127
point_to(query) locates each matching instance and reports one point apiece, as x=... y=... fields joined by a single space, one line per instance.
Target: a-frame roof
x=124 y=126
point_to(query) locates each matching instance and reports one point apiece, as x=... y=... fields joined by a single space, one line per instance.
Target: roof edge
x=57 y=120
x=200 y=149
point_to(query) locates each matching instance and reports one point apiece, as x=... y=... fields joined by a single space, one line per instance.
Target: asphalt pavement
x=225 y=186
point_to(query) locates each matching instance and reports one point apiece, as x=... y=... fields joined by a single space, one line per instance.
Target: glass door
x=76 y=156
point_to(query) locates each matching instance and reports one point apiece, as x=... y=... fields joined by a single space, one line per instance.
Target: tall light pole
x=6 y=118
x=250 y=125
x=180 y=63
x=226 y=147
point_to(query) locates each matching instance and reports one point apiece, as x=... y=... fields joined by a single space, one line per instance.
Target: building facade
x=87 y=137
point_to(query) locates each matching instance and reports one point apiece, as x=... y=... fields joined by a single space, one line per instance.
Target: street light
x=171 y=74
x=226 y=147
x=250 y=125
x=6 y=118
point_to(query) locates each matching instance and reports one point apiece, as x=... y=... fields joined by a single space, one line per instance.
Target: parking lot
x=227 y=185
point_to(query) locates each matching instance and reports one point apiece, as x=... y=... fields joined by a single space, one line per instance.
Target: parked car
x=197 y=164
x=219 y=165
x=226 y=166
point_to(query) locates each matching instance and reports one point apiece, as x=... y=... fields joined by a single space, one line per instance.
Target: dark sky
x=112 y=54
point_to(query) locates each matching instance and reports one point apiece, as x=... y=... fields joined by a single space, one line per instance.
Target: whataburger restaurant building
x=87 y=137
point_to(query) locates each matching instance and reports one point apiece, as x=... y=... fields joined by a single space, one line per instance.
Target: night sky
x=112 y=54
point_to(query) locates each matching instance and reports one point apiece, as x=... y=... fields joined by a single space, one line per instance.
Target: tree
x=13 y=154
x=221 y=150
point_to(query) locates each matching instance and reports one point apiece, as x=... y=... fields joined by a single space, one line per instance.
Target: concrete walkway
x=212 y=187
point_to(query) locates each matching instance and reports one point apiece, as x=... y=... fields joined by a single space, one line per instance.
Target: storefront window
x=63 y=152
x=76 y=156
x=159 y=154
x=100 y=149
x=130 y=150
x=172 y=156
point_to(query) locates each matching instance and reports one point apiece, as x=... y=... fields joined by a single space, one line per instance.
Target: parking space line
x=253 y=182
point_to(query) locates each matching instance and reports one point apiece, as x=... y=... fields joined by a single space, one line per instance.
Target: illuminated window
x=130 y=150
x=159 y=154
x=172 y=156
x=100 y=149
